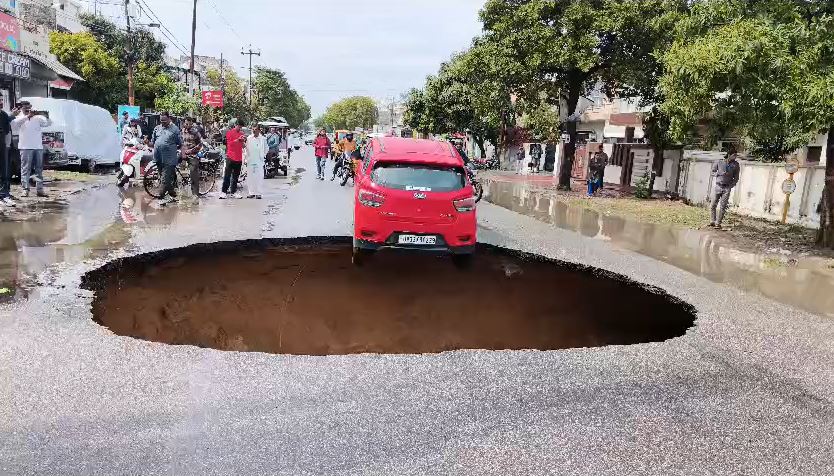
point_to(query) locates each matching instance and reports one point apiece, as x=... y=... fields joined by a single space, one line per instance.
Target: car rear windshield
x=424 y=178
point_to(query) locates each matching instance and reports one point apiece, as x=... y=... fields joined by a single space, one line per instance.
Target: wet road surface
x=746 y=391
x=807 y=284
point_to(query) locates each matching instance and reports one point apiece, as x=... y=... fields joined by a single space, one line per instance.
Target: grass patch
x=773 y=263
x=662 y=212
x=68 y=175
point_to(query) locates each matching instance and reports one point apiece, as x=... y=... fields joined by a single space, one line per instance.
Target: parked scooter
x=135 y=156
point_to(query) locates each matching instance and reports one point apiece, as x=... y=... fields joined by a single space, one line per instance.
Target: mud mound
x=285 y=297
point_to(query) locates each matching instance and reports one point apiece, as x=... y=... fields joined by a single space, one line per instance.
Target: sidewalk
x=779 y=261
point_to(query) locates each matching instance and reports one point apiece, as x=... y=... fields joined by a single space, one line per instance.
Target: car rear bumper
x=391 y=242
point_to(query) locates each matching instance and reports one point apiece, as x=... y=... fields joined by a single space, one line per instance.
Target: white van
x=80 y=134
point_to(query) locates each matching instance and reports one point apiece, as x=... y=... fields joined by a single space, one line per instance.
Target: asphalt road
x=747 y=391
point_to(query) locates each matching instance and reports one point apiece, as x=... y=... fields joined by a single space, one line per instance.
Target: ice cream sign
x=9 y=33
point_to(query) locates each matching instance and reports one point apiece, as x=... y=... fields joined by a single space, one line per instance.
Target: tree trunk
x=825 y=235
x=569 y=149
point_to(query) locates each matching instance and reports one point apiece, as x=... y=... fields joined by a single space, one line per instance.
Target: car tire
x=463 y=261
x=360 y=256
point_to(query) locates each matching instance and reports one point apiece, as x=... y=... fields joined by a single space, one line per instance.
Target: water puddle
x=90 y=225
x=304 y=297
x=807 y=284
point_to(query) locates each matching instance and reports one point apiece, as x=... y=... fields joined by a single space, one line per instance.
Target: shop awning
x=55 y=67
x=62 y=83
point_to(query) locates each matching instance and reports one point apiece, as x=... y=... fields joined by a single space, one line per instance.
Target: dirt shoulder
x=59 y=185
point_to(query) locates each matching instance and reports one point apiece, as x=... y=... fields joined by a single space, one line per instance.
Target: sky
x=329 y=49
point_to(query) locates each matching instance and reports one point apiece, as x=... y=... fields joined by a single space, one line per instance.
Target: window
x=814 y=154
x=424 y=178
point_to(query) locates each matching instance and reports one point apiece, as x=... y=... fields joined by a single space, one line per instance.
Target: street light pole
x=131 y=95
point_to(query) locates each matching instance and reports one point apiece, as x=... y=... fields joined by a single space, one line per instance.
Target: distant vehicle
x=413 y=194
x=80 y=134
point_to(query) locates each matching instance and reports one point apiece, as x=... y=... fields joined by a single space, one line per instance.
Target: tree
x=148 y=54
x=764 y=70
x=350 y=113
x=460 y=98
x=82 y=53
x=557 y=51
x=275 y=97
x=235 y=102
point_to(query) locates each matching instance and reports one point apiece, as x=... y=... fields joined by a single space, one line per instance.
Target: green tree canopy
x=101 y=71
x=459 y=99
x=275 y=97
x=350 y=113
x=760 y=70
x=557 y=51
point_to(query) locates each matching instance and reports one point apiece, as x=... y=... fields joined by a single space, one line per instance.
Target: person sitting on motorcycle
x=273 y=140
x=131 y=132
x=346 y=148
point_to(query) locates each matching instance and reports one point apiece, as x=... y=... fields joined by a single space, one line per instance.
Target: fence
x=759 y=190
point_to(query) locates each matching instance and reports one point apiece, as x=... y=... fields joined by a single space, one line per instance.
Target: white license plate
x=417 y=240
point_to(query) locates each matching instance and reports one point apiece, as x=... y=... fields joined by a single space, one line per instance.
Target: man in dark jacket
x=726 y=172
x=5 y=160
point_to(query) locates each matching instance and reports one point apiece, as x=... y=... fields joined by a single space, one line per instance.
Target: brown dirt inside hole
x=311 y=300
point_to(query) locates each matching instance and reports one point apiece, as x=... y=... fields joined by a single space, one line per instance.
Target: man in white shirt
x=254 y=155
x=30 y=143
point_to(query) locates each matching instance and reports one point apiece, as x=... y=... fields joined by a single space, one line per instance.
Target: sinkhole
x=303 y=296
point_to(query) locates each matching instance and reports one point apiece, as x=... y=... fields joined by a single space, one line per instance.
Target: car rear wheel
x=360 y=256
x=462 y=261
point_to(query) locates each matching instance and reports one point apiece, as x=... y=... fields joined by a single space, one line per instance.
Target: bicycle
x=208 y=168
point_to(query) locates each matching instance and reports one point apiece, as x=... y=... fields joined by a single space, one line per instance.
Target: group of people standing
x=28 y=124
x=343 y=151
x=171 y=145
x=251 y=150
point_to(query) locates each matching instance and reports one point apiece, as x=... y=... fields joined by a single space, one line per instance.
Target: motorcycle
x=276 y=161
x=477 y=186
x=135 y=157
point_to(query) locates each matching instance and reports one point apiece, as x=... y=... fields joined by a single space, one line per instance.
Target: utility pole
x=191 y=88
x=131 y=99
x=251 y=53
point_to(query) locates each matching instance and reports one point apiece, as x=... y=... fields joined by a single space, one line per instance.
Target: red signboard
x=9 y=33
x=213 y=98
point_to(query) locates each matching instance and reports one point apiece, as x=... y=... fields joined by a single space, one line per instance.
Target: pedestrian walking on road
x=322 y=147
x=726 y=173
x=166 y=140
x=254 y=156
x=235 y=139
x=5 y=160
x=29 y=127
x=192 y=143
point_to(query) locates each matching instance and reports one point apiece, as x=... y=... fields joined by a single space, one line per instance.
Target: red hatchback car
x=413 y=194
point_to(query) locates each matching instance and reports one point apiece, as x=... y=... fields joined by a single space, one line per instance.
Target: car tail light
x=465 y=204
x=371 y=199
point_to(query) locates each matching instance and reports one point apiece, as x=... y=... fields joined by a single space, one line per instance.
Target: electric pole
x=129 y=60
x=191 y=88
x=251 y=53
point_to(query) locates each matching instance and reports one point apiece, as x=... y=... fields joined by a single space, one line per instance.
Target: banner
x=133 y=112
x=213 y=98
x=9 y=33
